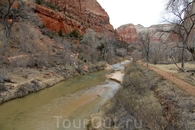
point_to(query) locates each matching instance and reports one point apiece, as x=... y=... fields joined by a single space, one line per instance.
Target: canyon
x=129 y=33
x=45 y=57
x=70 y=49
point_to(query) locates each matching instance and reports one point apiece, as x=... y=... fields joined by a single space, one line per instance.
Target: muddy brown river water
x=66 y=105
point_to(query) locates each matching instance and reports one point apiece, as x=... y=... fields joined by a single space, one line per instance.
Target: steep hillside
x=46 y=42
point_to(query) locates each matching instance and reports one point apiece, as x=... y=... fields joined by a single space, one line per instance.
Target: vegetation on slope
x=147 y=101
x=29 y=52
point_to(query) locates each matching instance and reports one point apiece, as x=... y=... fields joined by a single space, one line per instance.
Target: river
x=66 y=105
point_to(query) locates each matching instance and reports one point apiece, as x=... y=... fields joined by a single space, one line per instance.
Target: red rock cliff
x=75 y=14
x=129 y=33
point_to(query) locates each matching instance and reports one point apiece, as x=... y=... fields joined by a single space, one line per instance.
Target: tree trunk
x=183 y=56
x=193 y=56
x=6 y=37
x=192 y=51
x=147 y=59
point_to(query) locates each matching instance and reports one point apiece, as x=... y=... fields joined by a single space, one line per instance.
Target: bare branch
x=8 y=16
x=184 y=21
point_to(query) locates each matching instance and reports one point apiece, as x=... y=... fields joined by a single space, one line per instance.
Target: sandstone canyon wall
x=129 y=33
x=75 y=14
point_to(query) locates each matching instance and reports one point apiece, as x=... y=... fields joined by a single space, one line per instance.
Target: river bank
x=73 y=99
x=23 y=81
x=145 y=101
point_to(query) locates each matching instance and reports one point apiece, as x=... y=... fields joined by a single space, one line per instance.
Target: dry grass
x=178 y=106
x=188 y=77
x=135 y=101
x=173 y=68
x=160 y=104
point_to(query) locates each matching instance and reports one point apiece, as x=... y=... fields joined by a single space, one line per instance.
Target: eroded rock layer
x=73 y=14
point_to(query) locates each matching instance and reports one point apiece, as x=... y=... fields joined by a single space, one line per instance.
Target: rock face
x=158 y=37
x=129 y=33
x=75 y=14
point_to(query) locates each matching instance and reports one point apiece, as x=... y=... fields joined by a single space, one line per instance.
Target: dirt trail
x=172 y=78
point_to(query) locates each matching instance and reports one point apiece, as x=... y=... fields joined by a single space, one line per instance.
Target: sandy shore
x=116 y=76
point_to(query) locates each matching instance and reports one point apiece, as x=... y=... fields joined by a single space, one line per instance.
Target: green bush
x=101 y=47
x=49 y=5
x=74 y=33
x=60 y=33
x=40 y=2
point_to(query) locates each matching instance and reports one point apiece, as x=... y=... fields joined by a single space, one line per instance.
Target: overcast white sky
x=144 y=12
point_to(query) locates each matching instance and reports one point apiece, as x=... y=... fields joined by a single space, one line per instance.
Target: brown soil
x=172 y=78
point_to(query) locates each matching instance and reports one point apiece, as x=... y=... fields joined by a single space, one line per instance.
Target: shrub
x=48 y=33
x=133 y=68
x=67 y=15
x=40 y=2
x=60 y=33
x=101 y=47
x=136 y=55
x=19 y=62
x=74 y=33
x=49 y=5
x=121 y=52
x=134 y=77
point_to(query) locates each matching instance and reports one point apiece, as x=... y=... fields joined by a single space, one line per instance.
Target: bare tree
x=89 y=37
x=10 y=11
x=66 y=52
x=91 y=44
x=144 y=38
x=191 y=45
x=182 y=18
x=159 y=50
x=109 y=51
